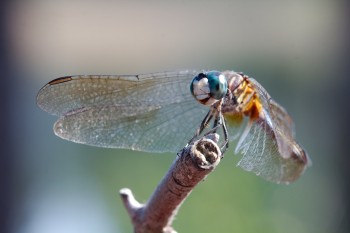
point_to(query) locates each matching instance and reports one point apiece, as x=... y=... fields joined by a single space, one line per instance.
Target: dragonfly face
x=156 y=113
x=209 y=88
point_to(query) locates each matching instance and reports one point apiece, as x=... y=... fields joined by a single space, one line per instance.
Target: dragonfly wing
x=268 y=144
x=263 y=155
x=276 y=115
x=149 y=112
x=66 y=94
x=151 y=128
x=281 y=119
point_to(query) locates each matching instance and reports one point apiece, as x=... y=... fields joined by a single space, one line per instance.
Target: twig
x=191 y=166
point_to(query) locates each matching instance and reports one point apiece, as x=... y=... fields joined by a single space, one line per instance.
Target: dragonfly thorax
x=244 y=100
x=208 y=88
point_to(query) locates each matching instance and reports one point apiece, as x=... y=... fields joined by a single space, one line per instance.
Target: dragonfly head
x=207 y=88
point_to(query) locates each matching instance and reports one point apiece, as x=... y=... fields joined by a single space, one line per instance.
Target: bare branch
x=191 y=166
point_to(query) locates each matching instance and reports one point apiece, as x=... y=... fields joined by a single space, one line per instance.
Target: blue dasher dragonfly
x=157 y=113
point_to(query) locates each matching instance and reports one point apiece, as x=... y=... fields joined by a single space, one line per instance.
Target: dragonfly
x=159 y=112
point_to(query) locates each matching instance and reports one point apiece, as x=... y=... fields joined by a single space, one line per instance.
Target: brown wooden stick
x=190 y=167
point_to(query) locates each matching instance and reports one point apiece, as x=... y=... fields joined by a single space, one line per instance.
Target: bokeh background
x=298 y=50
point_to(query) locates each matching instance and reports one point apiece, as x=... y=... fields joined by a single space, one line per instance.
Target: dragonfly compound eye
x=207 y=88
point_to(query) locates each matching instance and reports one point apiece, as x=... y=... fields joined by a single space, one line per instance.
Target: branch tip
x=129 y=200
x=205 y=152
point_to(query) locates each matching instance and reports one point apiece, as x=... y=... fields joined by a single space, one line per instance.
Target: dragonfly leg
x=224 y=129
x=213 y=130
x=203 y=125
x=220 y=122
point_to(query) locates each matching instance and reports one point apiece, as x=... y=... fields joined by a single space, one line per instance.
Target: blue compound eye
x=209 y=87
x=217 y=84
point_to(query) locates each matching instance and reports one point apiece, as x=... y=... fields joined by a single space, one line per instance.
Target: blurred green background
x=298 y=50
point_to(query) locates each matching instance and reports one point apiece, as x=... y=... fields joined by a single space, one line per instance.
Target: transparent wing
x=268 y=145
x=277 y=116
x=144 y=128
x=261 y=154
x=154 y=112
x=74 y=92
x=281 y=119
